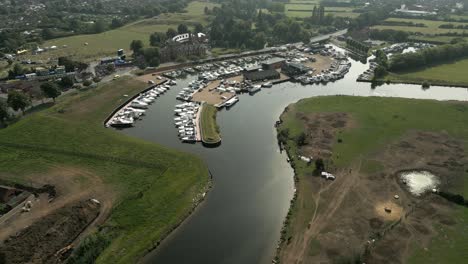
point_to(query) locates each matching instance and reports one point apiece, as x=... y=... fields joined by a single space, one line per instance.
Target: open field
x=365 y=143
x=107 y=43
x=454 y=73
x=209 y=127
x=145 y=188
x=431 y=26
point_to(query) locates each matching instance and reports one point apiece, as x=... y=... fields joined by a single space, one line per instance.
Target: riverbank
x=448 y=74
x=334 y=220
x=146 y=190
x=209 y=129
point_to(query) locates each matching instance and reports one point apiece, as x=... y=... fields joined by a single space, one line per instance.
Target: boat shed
x=273 y=63
x=293 y=69
x=261 y=75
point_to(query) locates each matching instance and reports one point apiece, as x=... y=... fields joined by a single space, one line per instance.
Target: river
x=241 y=219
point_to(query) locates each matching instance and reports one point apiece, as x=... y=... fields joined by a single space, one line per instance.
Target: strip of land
x=209 y=128
x=367 y=213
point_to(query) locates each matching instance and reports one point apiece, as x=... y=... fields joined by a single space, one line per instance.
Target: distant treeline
x=389 y=35
x=452 y=26
x=402 y=23
x=439 y=54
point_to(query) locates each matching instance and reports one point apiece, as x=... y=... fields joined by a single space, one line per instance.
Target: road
x=327 y=36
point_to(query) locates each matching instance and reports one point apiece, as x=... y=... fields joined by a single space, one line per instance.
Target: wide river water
x=241 y=218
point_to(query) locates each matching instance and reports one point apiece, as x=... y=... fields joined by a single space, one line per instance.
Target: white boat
x=267 y=85
x=122 y=122
x=189 y=139
x=231 y=101
x=139 y=105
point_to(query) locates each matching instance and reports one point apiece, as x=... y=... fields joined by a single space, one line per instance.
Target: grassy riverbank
x=146 y=189
x=361 y=152
x=209 y=127
x=453 y=74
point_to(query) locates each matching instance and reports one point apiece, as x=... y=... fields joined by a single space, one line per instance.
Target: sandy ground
x=348 y=214
x=150 y=77
x=321 y=63
x=210 y=95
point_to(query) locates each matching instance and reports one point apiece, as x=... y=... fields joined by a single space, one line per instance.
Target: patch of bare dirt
x=320 y=130
x=350 y=215
x=72 y=184
x=43 y=241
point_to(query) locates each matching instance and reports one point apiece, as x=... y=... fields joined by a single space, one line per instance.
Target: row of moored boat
x=133 y=111
x=185 y=121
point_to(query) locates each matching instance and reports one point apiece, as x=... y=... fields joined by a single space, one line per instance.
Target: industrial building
x=294 y=69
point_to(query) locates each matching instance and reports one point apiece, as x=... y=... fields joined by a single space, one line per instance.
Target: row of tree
x=357 y=46
x=430 y=56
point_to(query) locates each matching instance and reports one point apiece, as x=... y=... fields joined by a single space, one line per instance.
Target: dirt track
x=349 y=218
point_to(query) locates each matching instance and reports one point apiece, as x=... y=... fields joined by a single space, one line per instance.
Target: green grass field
x=376 y=126
x=107 y=43
x=155 y=187
x=454 y=73
x=432 y=27
x=209 y=127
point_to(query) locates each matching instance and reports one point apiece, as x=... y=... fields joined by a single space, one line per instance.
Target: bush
x=181 y=59
x=426 y=85
x=96 y=79
x=301 y=139
x=89 y=249
x=87 y=83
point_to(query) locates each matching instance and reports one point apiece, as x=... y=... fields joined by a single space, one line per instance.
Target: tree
x=380 y=71
x=301 y=139
x=198 y=28
x=67 y=82
x=170 y=33
x=16 y=71
x=136 y=46
x=99 y=26
x=47 y=33
x=116 y=23
x=18 y=100
x=71 y=65
x=50 y=90
x=319 y=166
x=182 y=28
x=157 y=38
x=151 y=56
x=3 y=112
